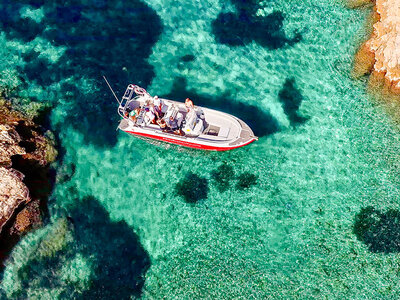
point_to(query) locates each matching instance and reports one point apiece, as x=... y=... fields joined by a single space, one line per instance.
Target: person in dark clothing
x=173 y=125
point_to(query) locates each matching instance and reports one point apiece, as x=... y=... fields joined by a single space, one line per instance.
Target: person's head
x=187 y=100
x=171 y=118
x=147 y=109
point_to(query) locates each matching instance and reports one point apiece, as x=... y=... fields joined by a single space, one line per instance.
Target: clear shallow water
x=325 y=152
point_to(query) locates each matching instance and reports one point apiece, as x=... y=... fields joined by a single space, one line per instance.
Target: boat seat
x=198 y=129
x=223 y=132
x=179 y=119
x=171 y=112
x=191 y=118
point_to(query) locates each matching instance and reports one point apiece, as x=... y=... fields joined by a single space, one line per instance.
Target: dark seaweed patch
x=192 y=188
x=380 y=231
x=102 y=38
x=262 y=122
x=246 y=180
x=243 y=27
x=119 y=262
x=290 y=96
x=188 y=58
x=223 y=176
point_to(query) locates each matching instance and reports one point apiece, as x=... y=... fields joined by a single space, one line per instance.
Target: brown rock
x=9 y=144
x=384 y=45
x=27 y=218
x=25 y=154
x=364 y=61
x=13 y=193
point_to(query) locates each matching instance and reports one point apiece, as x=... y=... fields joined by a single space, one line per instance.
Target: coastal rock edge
x=380 y=54
x=25 y=155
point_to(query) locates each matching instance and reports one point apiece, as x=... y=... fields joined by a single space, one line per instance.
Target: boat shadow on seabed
x=260 y=121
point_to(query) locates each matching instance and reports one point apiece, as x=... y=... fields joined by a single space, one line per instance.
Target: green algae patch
x=192 y=188
x=33 y=249
x=56 y=239
x=78 y=272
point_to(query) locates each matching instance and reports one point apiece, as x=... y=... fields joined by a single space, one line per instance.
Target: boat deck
x=221 y=130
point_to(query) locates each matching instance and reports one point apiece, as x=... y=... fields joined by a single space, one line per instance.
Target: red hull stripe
x=188 y=144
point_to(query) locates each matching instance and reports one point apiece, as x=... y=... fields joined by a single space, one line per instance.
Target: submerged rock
x=246 y=180
x=223 y=176
x=380 y=55
x=25 y=154
x=192 y=188
x=72 y=258
x=379 y=230
x=358 y=3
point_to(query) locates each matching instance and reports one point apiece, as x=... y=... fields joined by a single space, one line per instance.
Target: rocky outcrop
x=25 y=154
x=13 y=193
x=380 y=55
x=9 y=144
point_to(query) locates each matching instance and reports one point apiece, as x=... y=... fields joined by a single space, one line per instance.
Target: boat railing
x=132 y=91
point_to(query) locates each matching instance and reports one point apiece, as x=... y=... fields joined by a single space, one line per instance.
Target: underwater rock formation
x=223 y=176
x=380 y=55
x=192 y=188
x=246 y=180
x=357 y=3
x=24 y=158
x=379 y=230
x=291 y=98
x=248 y=24
x=74 y=254
x=87 y=32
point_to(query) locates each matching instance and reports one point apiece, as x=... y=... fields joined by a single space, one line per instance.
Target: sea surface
x=310 y=210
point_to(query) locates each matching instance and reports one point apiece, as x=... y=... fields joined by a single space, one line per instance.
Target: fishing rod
x=112 y=91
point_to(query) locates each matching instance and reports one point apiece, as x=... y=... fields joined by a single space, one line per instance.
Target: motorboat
x=198 y=127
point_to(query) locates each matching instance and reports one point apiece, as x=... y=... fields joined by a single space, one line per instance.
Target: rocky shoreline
x=25 y=155
x=379 y=56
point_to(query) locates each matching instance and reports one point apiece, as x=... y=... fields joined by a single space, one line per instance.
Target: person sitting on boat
x=162 y=124
x=159 y=108
x=189 y=104
x=149 y=117
x=133 y=114
x=172 y=123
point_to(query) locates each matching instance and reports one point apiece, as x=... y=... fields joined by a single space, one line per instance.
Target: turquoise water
x=285 y=221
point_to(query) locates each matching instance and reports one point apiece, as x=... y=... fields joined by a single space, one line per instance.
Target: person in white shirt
x=149 y=116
